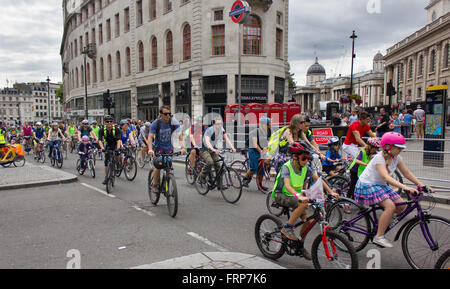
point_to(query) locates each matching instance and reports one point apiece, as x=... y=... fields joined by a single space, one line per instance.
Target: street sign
x=322 y=135
x=240 y=11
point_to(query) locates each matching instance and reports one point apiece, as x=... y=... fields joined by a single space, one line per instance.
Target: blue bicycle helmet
x=333 y=141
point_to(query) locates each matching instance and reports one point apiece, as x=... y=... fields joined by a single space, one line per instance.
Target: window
x=128 y=55
x=279 y=18
x=169 y=48
x=86 y=39
x=187 y=42
x=446 y=56
x=421 y=64
x=109 y=67
x=218 y=15
x=82 y=75
x=139 y=13
x=127 y=19
x=94 y=64
x=167 y=6
x=218 y=40
x=102 y=70
x=108 y=29
x=93 y=35
x=152 y=9
x=410 y=69
x=117 y=18
x=154 y=52
x=88 y=72
x=76 y=48
x=279 y=43
x=141 y=56
x=118 y=66
x=252 y=36
x=433 y=61
x=100 y=34
x=81 y=45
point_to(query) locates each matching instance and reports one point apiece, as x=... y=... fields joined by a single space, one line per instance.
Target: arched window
x=187 y=42
x=77 y=77
x=421 y=63
x=118 y=66
x=169 y=48
x=141 y=56
x=128 y=53
x=410 y=69
x=154 y=52
x=94 y=64
x=252 y=36
x=82 y=75
x=102 y=70
x=433 y=60
x=109 y=67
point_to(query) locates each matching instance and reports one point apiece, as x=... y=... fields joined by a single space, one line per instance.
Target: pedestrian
x=419 y=116
x=353 y=117
x=407 y=123
x=396 y=124
x=383 y=126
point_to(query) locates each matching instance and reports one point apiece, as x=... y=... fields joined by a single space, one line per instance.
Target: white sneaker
x=383 y=242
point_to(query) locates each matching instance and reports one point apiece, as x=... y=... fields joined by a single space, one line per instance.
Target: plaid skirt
x=373 y=194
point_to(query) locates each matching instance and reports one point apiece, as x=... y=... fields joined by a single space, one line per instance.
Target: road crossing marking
x=144 y=211
x=206 y=241
x=98 y=190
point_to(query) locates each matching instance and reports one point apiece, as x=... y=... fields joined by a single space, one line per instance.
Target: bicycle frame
x=372 y=213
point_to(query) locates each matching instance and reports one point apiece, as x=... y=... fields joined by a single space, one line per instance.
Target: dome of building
x=316 y=68
x=378 y=57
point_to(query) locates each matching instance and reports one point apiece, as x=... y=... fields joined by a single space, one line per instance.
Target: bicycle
x=192 y=173
x=111 y=169
x=143 y=161
x=227 y=180
x=40 y=152
x=127 y=164
x=73 y=143
x=328 y=249
x=167 y=185
x=88 y=163
x=56 y=157
x=359 y=225
x=28 y=143
x=444 y=261
x=8 y=156
x=241 y=166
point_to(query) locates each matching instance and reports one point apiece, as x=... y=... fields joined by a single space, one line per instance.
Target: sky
x=31 y=32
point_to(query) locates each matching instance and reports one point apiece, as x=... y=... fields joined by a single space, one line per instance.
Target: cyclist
x=38 y=135
x=55 y=136
x=13 y=132
x=109 y=138
x=27 y=133
x=160 y=139
x=373 y=185
x=85 y=129
x=83 y=149
x=195 y=137
x=72 y=132
x=143 y=138
x=258 y=142
x=126 y=134
x=63 y=128
x=209 y=151
x=2 y=138
x=287 y=190
x=310 y=138
x=96 y=129
x=333 y=156
x=46 y=127
x=361 y=161
x=355 y=133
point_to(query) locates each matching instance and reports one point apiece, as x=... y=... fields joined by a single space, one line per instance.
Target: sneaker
x=104 y=182
x=246 y=181
x=289 y=233
x=383 y=242
x=305 y=254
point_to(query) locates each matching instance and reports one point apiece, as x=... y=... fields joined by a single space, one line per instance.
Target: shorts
x=369 y=195
x=351 y=150
x=419 y=125
x=286 y=201
x=327 y=169
x=254 y=157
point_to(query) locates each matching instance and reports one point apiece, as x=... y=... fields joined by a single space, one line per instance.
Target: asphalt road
x=40 y=227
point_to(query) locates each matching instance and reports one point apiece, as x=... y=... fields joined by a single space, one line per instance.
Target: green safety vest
x=105 y=132
x=297 y=181
x=72 y=130
x=2 y=138
x=365 y=159
x=96 y=130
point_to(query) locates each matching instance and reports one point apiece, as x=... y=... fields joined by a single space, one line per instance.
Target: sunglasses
x=166 y=113
x=109 y=121
x=305 y=158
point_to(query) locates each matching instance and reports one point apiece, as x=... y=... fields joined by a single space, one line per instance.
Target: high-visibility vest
x=296 y=181
x=2 y=138
x=365 y=159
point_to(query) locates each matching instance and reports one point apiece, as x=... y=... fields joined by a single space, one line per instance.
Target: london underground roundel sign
x=240 y=11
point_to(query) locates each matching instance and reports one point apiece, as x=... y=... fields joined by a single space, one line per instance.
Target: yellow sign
x=439 y=87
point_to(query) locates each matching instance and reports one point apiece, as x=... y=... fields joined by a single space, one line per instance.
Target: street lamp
x=48 y=100
x=353 y=37
x=85 y=52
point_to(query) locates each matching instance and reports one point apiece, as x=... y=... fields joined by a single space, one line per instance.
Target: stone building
x=16 y=106
x=143 y=51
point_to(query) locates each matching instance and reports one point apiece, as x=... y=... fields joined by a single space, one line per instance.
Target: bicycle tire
x=344 y=210
x=266 y=233
x=60 y=160
x=266 y=181
x=140 y=161
x=130 y=164
x=190 y=172
x=231 y=185
x=172 y=195
x=154 y=198
x=202 y=188
x=79 y=169
x=443 y=261
x=240 y=167
x=443 y=241
x=273 y=208
x=91 y=166
x=339 y=185
x=42 y=157
x=20 y=163
x=317 y=251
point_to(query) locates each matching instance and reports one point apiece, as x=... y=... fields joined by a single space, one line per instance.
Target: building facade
x=16 y=106
x=143 y=51
x=422 y=59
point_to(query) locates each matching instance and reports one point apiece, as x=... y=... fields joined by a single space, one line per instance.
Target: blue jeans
x=51 y=144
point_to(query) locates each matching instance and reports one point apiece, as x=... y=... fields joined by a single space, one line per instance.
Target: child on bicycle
x=361 y=161
x=287 y=190
x=332 y=157
x=373 y=187
x=83 y=149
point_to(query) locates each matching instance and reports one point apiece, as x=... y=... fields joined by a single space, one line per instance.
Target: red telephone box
x=231 y=110
x=292 y=109
x=253 y=111
x=275 y=113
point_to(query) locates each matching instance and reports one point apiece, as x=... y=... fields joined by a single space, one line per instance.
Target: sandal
x=289 y=233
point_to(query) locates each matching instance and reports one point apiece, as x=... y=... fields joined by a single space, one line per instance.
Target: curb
x=38 y=184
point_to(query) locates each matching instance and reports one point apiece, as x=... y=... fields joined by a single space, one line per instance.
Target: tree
x=291 y=81
x=60 y=93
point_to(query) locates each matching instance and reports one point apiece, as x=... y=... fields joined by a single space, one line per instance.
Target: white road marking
x=144 y=211
x=98 y=190
x=206 y=241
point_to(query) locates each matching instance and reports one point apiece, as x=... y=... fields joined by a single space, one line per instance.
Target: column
x=271 y=88
x=134 y=102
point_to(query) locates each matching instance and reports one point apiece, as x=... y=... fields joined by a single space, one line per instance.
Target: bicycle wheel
x=91 y=166
x=416 y=249
x=171 y=195
x=59 y=160
x=154 y=197
x=343 y=218
x=268 y=237
x=444 y=261
x=202 y=188
x=266 y=182
x=130 y=168
x=19 y=162
x=190 y=172
x=118 y=169
x=140 y=161
x=339 y=185
x=42 y=157
x=52 y=161
x=273 y=207
x=79 y=168
x=240 y=167
x=231 y=185
x=342 y=254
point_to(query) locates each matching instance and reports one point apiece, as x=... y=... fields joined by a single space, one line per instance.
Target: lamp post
x=353 y=37
x=48 y=99
x=85 y=52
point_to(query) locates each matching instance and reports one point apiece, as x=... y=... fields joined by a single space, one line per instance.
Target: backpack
x=158 y=127
x=274 y=141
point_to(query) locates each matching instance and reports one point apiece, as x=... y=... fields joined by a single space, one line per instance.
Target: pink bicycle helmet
x=85 y=138
x=374 y=141
x=391 y=139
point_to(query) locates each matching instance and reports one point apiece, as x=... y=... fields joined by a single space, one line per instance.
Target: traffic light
x=107 y=100
x=390 y=90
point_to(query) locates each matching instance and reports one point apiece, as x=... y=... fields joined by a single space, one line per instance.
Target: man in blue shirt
x=160 y=139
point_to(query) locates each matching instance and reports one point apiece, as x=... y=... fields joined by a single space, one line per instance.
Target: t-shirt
x=110 y=141
x=143 y=133
x=27 y=130
x=419 y=114
x=261 y=137
x=353 y=118
x=197 y=133
x=350 y=138
x=408 y=118
x=215 y=138
x=85 y=131
x=384 y=119
x=164 y=141
x=331 y=155
x=371 y=176
x=397 y=128
x=39 y=132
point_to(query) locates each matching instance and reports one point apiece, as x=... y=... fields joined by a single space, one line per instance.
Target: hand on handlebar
x=411 y=191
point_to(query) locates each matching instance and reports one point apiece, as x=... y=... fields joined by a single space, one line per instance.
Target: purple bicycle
x=425 y=237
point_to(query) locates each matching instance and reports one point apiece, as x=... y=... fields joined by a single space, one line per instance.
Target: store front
x=148 y=102
x=122 y=105
x=215 y=94
x=255 y=89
